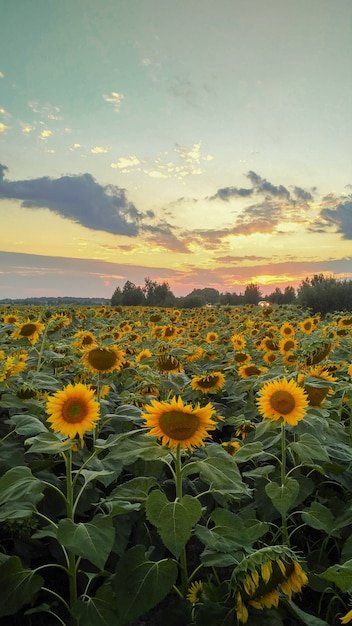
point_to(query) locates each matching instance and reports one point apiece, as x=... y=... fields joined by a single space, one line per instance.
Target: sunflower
x=242 y=357
x=29 y=330
x=168 y=332
x=287 y=330
x=195 y=592
x=283 y=398
x=167 y=364
x=84 y=339
x=345 y=322
x=73 y=411
x=317 y=392
x=260 y=577
x=100 y=359
x=231 y=446
x=287 y=345
x=251 y=369
x=208 y=382
x=238 y=341
x=177 y=424
x=307 y=326
x=269 y=357
x=10 y=319
x=211 y=337
x=144 y=354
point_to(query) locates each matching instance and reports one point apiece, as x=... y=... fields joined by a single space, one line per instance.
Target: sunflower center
x=177 y=425
x=28 y=329
x=87 y=340
x=208 y=382
x=73 y=411
x=102 y=359
x=282 y=402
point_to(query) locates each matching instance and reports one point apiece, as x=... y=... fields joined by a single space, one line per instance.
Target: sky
x=206 y=143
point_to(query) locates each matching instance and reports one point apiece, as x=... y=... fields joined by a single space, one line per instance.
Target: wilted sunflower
x=260 y=576
x=176 y=423
x=283 y=398
x=73 y=411
x=29 y=330
x=346 y=619
x=101 y=359
x=208 y=382
x=317 y=390
x=167 y=364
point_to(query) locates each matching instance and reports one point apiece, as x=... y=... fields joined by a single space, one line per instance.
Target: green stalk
x=72 y=569
x=183 y=555
x=41 y=351
x=285 y=537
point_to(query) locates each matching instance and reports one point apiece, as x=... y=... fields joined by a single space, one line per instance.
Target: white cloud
x=125 y=163
x=45 y=134
x=26 y=128
x=3 y=127
x=100 y=149
x=1 y=75
x=115 y=98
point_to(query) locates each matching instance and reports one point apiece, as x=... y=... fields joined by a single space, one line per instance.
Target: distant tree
x=325 y=295
x=116 y=298
x=279 y=297
x=252 y=294
x=158 y=294
x=192 y=301
x=132 y=295
x=210 y=294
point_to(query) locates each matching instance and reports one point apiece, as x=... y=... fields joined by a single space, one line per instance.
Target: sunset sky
x=202 y=142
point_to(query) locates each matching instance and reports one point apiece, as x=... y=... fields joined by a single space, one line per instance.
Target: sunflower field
x=180 y=467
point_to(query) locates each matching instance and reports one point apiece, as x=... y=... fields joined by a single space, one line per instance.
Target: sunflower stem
x=72 y=569
x=183 y=555
x=42 y=346
x=285 y=537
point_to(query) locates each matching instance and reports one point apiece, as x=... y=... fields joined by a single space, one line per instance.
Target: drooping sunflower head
x=208 y=382
x=73 y=411
x=179 y=424
x=316 y=382
x=259 y=578
x=103 y=359
x=28 y=330
x=282 y=398
x=166 y=364
x=231 y=446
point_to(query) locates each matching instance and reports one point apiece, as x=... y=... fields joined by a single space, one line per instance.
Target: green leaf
x=128 y=451
x=18 y=586
x=308 y=448
x=304 y=618
x=98 y=611
x=135 y=490
x=341 y=575
x=230 y=532
x=174 y=520
x=28 y=425
x=220 y=470
x=141 y=584
x=321 y=518
x=92 y=540
x=48 y=443
x=283 y=496
x=19 y=493
x=249 y=451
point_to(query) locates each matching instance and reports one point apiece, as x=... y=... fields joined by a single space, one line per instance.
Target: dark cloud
x=261 y=185
x=341 y=217
x=238 y=259
x=302 y=194
x=231 y=192
x=77 y=198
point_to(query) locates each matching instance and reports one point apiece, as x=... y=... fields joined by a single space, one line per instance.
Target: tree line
x=320 y=294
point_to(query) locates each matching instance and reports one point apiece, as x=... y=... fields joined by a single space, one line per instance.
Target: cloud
x=231 y=192
x=263 y=187
x=1 y=75
x=187 y=163
x=114 y=98
x=77 y=198
x=3 y=127
x=340 y=216
x=100 y=149
x=45 y=134
x=126 y=163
